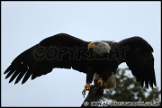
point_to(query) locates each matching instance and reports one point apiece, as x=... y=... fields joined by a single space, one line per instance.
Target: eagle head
x=99 y=47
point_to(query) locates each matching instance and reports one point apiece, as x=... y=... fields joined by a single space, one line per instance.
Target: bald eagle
x=99 y=58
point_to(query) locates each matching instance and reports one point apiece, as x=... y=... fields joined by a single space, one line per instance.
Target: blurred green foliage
x=128 y=90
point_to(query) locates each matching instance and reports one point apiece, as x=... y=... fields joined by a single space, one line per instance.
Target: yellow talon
x=86 y=87
x=100 y=82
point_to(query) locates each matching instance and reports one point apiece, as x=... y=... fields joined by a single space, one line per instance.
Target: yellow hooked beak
x=90 y=45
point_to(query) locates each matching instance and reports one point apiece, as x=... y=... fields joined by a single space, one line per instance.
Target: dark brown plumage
x=66 y=51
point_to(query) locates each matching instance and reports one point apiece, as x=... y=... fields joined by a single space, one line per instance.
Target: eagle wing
x=60 y=50
x=140 y=60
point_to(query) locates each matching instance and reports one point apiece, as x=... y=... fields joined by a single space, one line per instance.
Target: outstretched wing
x=61 y=50
x=140 y=60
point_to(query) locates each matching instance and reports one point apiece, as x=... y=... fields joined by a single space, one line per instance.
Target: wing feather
x=36 y=60
x=140 y=60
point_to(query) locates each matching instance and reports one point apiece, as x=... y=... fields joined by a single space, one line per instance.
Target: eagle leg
x=86 y=87
x=100 y=82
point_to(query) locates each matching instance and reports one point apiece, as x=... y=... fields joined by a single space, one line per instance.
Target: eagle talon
x=87 y=87
x=100 y=82
x=84 y=92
